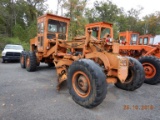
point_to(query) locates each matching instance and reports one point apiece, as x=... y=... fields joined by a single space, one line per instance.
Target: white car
x=11 y=52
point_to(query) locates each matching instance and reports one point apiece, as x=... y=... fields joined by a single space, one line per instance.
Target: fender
x=101 y=56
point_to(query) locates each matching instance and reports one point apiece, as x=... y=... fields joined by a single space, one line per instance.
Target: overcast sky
x=150 y=6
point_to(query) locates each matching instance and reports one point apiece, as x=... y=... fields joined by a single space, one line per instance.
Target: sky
x=149 y=6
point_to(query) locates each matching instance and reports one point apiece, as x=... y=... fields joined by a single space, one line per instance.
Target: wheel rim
x=150 y=70
x=22 y=59
x=130 y=76
x=81 y=84
x=28 y=62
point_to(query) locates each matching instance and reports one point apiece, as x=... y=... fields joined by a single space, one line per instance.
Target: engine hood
x=11 y=50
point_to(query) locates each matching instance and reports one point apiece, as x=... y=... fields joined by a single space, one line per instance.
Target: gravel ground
x=33 y=96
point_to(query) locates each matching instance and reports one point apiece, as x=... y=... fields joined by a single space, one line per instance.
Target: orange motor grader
x=142 y=48
x=88 y=63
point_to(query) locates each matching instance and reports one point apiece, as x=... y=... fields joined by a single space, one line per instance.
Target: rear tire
x=22 y=59
x=135 y=76
x=31 y=62
x=87 y=83
x=151 y=66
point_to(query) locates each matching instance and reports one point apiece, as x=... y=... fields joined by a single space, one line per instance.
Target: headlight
x=3 y=53
x=123 y=62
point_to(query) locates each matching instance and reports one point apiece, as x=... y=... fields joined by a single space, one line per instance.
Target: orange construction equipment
x=87 y=62
x=144 y=50
x=128 y=37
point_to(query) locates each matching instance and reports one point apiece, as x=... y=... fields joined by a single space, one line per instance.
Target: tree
x=18 y=20
x=75 y=10
x=106 y=11
x=152 y=23
x=133 y=19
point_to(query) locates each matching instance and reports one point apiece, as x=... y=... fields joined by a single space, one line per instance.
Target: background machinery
x=143 y=48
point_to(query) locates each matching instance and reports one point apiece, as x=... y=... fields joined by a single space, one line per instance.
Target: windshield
x=145 y=41
x=141 y=41
x=104 y=31
x=95 y=32
x=15 y=47
x=134 y=38
x=123 y=38
x=151 y=41
x=56 y=26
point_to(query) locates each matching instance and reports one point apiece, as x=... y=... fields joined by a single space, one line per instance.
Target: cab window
x=40 y=27
x=56 y=26
x=151 y=41
x=134 y=38
x=123 y=38
x=104 y=31
x=95 y=32
x=141 y=41
x=145 y=41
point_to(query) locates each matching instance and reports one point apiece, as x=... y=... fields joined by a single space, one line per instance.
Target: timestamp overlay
x=141 y=107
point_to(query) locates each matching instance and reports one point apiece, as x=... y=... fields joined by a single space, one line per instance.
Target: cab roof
x=99 y=24
x=53 y=15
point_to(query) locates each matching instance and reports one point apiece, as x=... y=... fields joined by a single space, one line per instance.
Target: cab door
x=40 y=36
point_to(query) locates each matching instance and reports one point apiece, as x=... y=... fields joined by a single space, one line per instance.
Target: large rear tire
x=22 y=59
x=87 y=83
x=31 y=62
x=151 y=67
x=135 y=77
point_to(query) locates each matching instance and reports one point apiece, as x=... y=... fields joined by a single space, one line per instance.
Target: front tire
x=135 y=77
x=151 y=67
x=87 y=83
x=31 y=62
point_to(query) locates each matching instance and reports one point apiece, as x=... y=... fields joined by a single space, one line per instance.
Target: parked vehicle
x=11 y=52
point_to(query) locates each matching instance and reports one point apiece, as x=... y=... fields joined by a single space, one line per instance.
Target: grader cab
x=88 y=63
x=133 y=38
x=128 y=37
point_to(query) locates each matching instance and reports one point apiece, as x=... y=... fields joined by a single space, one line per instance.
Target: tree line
x=18 y=18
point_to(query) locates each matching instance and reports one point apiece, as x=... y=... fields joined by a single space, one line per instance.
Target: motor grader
x=88 y=63
x=142 y=48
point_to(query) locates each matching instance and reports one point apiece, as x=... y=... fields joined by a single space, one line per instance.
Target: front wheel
x=135 y=77
x=87 y=83
x=151 y=67
x=31 y=62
